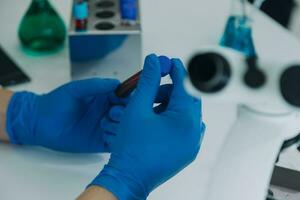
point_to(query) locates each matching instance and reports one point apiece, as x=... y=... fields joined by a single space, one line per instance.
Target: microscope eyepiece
x=209 y=72
x=290 y=85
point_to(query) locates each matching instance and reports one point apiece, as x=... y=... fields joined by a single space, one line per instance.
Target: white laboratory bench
x=174 y=28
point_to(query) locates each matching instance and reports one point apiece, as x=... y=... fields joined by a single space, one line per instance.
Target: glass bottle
x=41 y=30
x=238 y=30
x=81 y=15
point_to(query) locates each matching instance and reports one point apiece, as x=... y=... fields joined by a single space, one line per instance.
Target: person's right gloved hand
x=150 y=147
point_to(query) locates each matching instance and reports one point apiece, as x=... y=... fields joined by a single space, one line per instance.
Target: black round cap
x=290 y=85
x=105 y=14
x=105 y=4
x=105 y=26
x=209 y=72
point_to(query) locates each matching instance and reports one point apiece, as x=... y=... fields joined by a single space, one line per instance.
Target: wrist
x=5 y=97
x=120 y=181
x=19 y=118
x=94 y=192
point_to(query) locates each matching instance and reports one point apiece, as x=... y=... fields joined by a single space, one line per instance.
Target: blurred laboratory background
x=285 y=12
x=47 y=43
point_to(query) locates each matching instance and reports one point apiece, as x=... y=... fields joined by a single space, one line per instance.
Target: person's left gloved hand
x=67 y=119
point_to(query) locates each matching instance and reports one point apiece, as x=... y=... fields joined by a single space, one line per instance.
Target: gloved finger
x=91 y=87
x=114 y=100
x=160 y=108
x=108 y=139
x=109 y=126
x=197 y=108
x=164 y=93
x=203 y=129
x=145 y=94
x=115 y=113
x=163 y=97
x=179 y=100
x=200 y=134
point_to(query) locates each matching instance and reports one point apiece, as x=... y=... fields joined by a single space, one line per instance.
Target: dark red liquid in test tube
x=128 y=86
x=81 y=24
x=81 y=15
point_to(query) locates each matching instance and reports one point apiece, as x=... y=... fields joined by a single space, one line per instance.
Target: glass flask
x=238 y=30
x=41 y=30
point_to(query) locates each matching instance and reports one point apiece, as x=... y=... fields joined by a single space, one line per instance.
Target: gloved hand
x=151 y=145
x=67 y=119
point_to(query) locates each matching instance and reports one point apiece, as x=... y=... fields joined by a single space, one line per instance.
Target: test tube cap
x=81 y=10
x=165 y=64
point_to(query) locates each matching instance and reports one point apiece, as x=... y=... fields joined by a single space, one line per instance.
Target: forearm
x=96 y=193
x=5 y=97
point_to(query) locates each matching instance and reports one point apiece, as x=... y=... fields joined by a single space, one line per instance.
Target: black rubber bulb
x=254 y=77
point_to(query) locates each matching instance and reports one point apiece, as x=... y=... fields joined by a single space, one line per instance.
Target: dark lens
x=209 y=72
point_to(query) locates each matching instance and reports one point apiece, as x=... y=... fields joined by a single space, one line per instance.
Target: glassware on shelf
x=238 y=30
x=42 y=30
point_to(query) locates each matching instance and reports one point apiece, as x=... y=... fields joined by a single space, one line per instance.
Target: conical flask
x=42 y=30
x=238 y=30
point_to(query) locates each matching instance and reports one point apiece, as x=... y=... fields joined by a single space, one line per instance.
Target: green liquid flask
x=42 y=30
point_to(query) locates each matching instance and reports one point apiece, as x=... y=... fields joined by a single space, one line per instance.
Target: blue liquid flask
x=238 y=30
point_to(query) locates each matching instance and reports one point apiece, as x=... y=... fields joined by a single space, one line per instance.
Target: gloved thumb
x=93 y=86
x=180 y=100
x=149 y=83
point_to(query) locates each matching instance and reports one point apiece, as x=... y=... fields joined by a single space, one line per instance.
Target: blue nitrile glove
x=67 y=119
x=151 y=146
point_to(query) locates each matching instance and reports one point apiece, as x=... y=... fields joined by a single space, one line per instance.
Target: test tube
x=81 y=15
x=128 y=9
x=128 y=86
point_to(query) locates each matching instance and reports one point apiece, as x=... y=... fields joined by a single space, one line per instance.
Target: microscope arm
x=245 y=163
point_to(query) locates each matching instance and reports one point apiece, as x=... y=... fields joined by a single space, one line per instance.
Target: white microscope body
x=267 y=116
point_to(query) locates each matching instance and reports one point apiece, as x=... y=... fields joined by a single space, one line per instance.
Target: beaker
x=238 y=30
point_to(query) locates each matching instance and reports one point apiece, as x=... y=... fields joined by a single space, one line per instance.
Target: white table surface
x=175 y=28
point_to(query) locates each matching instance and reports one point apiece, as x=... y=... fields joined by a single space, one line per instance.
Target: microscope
x=268 y=95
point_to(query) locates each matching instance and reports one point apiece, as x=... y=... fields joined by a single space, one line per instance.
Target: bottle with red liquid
x=81 y=15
